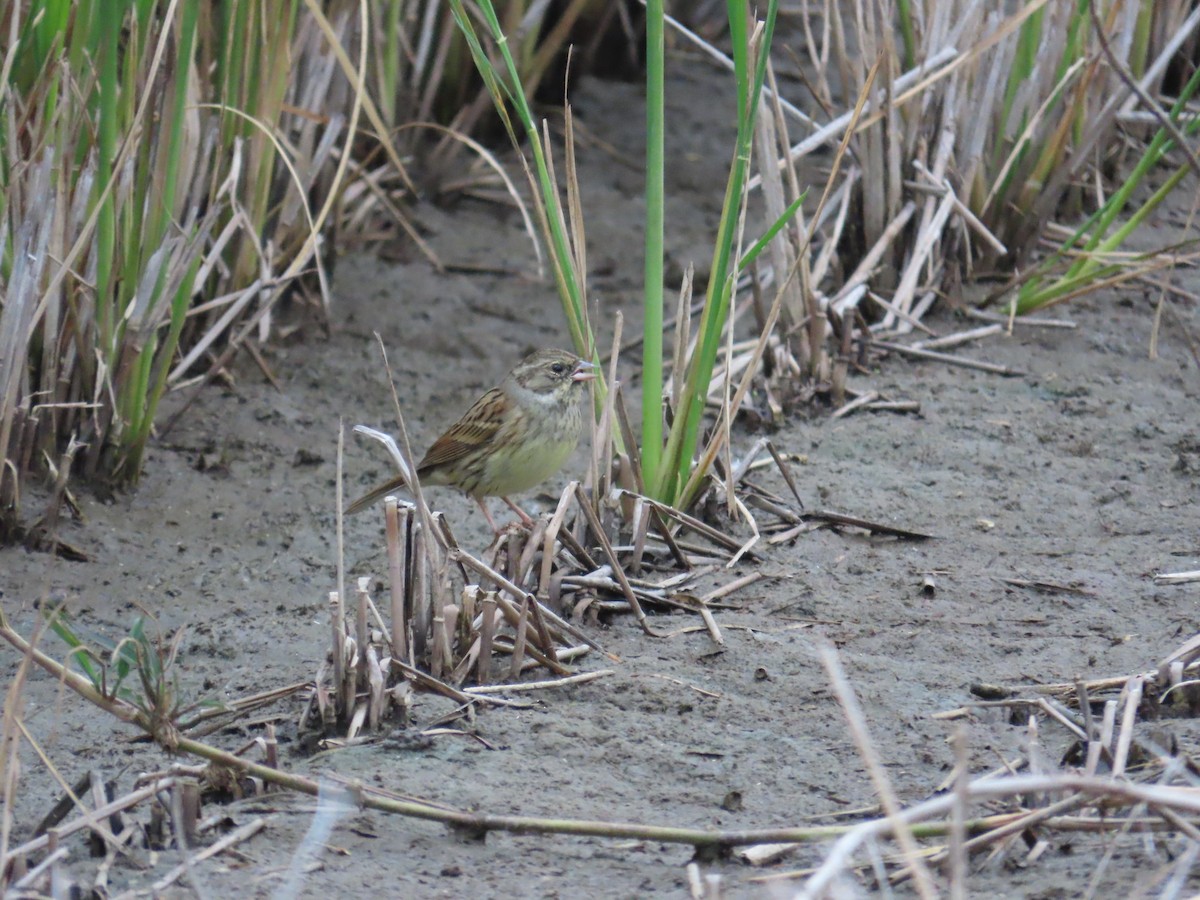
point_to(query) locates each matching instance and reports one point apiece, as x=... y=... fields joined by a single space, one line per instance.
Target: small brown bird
x=513 y=438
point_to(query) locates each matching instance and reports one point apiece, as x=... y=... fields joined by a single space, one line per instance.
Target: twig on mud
x=1177 y=577
x=857 y=403
x=229 y=710
x=960 y=337
x=1048 y=586
x=785 y=471
x=700 y=607
x=870 y=757
x=427 y=681
x=899 y=406
x=984 y=315
x=715 y=695
x=949 y=359
x=891 y=309
x=1045 y=704
x=582 y=678
x=245 y=832
x=834 y=518
x=717 y=537
x=736 y=585
x=89 y=818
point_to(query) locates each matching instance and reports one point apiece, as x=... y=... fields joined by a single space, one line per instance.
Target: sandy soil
x=1084 y=472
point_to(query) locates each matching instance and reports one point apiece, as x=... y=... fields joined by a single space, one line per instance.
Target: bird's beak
x=583 y=371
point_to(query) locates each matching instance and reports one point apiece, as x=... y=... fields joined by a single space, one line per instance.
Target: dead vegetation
x=1117 y=777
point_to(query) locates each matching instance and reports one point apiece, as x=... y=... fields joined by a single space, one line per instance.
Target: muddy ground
x=1083 y=471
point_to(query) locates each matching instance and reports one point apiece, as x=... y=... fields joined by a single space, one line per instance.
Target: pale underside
x=510 y=466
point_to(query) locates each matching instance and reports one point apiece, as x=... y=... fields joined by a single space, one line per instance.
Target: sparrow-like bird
x=513 y=438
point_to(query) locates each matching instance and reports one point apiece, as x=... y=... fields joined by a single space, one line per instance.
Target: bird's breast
x=536 y=448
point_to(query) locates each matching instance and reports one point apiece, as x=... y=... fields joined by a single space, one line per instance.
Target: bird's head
x=552 y=374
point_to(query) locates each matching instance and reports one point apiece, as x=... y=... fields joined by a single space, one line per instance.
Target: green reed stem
x=652 y=366
x=750 y=67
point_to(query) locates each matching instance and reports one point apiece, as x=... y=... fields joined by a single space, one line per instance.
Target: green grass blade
x=763 y=242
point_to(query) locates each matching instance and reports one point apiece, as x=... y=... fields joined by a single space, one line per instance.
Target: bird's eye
x=558 y=368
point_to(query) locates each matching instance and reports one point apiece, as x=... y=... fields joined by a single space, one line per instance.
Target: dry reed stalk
x=1132 y=694
x=510 y=613
x=486 y=632
x=603 y=433
x=783 y=250
x=337 y=645
x=957 y=851
x=439 y=658
x=683 y=338
x=362 y=633
x=544 y=639
x=398 y=535
x=446 y=635
x=422 y=592
x=337 y=620
x=606 y=548
x=518 y=651
x=528 y=551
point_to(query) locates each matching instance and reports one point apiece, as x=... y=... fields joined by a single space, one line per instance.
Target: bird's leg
x=487 y=515
x=525 y=519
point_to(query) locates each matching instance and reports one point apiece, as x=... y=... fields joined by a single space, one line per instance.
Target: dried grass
x=975 y=138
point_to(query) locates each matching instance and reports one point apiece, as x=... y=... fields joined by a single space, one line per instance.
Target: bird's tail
x=377 y=494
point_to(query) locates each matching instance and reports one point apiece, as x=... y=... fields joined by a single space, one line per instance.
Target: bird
x=512 y=438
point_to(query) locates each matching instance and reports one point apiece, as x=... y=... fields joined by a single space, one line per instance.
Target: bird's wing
x=477 y=428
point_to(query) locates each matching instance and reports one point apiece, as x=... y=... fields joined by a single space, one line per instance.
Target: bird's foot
x=524 y=516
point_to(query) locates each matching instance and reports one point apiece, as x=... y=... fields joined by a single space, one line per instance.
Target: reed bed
x=146 y=264
x=170 y=174
x=985 y=126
